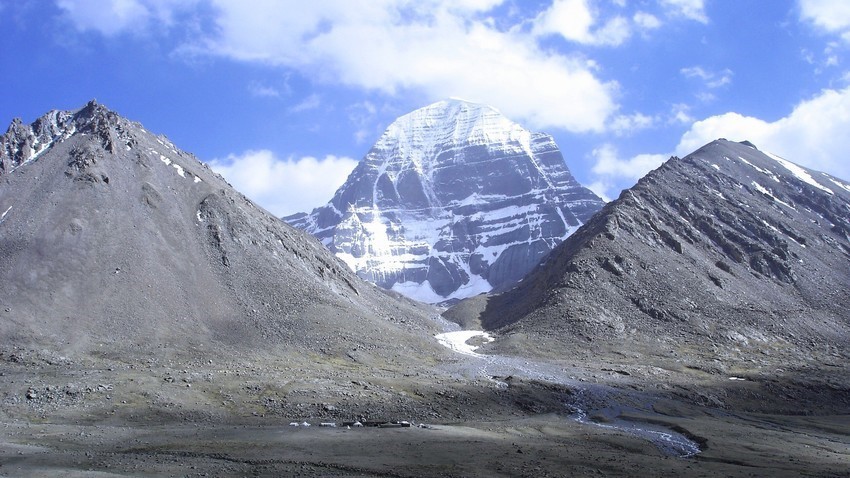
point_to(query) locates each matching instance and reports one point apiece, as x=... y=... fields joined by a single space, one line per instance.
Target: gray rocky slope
x=111 y=236
x=727 y=255
x=453 y=200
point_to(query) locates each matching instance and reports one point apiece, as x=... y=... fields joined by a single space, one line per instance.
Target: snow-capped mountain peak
x=453 y=200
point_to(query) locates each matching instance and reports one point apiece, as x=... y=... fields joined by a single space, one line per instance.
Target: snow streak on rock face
x=452 y=201
x=23 y=143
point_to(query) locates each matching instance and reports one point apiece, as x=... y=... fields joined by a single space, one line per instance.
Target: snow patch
x=771 y=226
x=457 y=341
x=475 y=286
x=840 y=184
x=799 y=172
x=179 y=170
x=766 y=192
x=3 y=216
x=416 y=291
x=766 y=172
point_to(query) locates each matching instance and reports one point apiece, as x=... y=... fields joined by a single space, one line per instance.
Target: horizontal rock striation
x=452 y=201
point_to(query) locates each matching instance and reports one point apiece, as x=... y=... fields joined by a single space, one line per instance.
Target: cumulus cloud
x=441 y=48
x=814 y=134
x=575 y=21
x=581 y=22
x=614 y=173
x=284 y=186
x=608 y=163
x=431 y=48
x=435 y=48
x=828 y=15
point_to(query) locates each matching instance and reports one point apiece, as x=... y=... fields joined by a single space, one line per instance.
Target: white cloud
x=732 y=126
x=814 y=134
x=829 y=15
x=284 y=186
x=646 y=21
x=624 y=125
x=108 y=17
x=363 y=116
x=608 y=163
x=263 y=91
x=574 y=20
x=436 y=47
x=613 y=173
x=711 y=79
x=433 y=48
x=690 y=9
x=681 y=113
x=601 y=189
x=311 y=102
x=111 y=17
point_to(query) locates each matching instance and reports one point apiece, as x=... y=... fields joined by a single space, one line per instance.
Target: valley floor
x=486 y=416
x=545 y=445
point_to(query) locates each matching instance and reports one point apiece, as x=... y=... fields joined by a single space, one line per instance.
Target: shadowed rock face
x=453 y=200
x=729 y=248
x=109 y=233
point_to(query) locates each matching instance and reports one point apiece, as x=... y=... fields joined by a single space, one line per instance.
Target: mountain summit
x=452 y=201
x=110 y=234
x=729 y=255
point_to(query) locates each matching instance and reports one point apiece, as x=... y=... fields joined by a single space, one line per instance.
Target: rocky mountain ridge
x=453 y=200
x=728 y=253
x=111 y=234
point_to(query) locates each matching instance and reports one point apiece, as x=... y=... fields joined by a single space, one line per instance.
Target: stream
x=591 y=400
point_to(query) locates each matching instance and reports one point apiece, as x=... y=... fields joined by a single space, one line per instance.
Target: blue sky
x=283 y=97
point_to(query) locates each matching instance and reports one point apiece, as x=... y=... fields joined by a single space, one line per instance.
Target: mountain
x=154 y=321
x=452 y=201
x=110 y=234
x=730 y=253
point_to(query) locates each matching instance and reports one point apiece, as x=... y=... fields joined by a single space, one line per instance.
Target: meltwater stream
x=667 y=441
